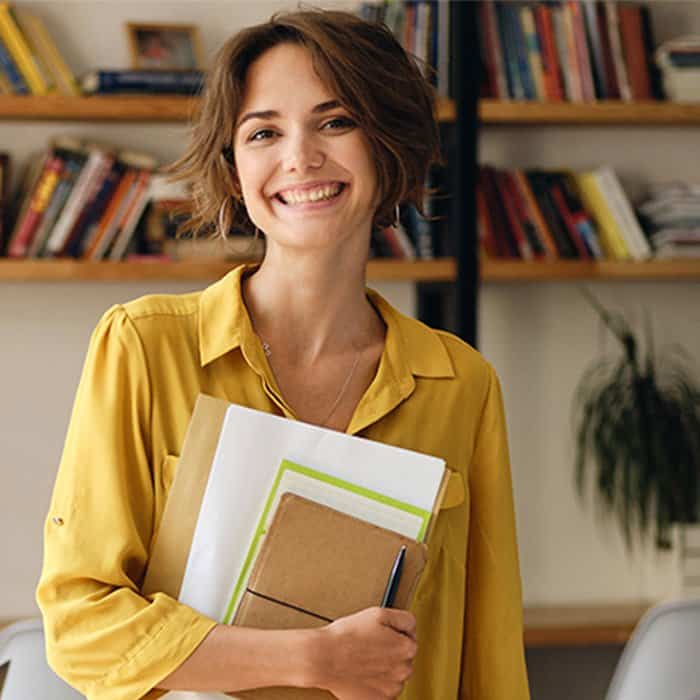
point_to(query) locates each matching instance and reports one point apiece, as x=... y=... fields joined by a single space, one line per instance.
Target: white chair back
x=662 y=659
x=28 y=674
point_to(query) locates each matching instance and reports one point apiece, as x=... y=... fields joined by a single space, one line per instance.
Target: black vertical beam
x=465 y=78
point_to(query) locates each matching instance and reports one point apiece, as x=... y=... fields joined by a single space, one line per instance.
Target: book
x=623 y=213
x=554 y=87
x=23 y=56
x=72 y=166
x=339 y=494
x=160 y=82
x=46 y=50
x=226 y=474
x=595 y=47
x=79 y=197
x=132 y=215
x=27 y=226
x=634 y=51
x=618 y=58
x=11 y=72
x=533 y=50
x=611 y=238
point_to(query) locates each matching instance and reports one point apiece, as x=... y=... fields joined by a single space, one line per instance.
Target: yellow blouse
x=146 y=363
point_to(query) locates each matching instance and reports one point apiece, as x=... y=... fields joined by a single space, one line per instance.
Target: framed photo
x=164 y=46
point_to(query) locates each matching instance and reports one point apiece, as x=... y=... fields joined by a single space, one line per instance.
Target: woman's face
x=304 y=167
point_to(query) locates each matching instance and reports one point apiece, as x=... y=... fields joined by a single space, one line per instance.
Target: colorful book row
x=80 y=200
x=572 y=50
x=423 y=28
x=537 y=214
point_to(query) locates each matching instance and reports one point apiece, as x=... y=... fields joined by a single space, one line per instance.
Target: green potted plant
x=638 y=430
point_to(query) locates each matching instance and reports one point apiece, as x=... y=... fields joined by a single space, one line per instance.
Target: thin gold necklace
x=268 y=353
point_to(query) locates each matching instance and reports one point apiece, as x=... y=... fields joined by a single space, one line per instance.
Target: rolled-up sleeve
x=102 y=636
x=494 y=664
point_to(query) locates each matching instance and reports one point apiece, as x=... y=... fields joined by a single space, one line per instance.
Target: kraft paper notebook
x=344 y=564
x=230 y=460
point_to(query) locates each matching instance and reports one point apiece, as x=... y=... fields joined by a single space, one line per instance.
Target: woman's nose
x=303 y=153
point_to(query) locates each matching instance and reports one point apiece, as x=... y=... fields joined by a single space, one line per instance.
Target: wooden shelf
x=576 y=270
x=594 y=113
x=440 y=270
x=123 y=108
x=581 y=625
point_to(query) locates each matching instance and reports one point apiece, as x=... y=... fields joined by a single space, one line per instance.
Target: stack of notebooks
x=294 y=530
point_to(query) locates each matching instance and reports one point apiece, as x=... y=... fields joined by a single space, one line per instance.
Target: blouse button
x=57 y=521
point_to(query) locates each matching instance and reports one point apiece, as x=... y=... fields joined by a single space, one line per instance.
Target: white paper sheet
x=252 y=444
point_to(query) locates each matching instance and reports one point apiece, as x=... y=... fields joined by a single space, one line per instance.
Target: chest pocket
x=454 y=493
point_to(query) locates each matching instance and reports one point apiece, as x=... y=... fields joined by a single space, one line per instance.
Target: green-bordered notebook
x=362 y=503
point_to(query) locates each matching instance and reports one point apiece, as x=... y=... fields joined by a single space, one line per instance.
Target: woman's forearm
x=239 y=658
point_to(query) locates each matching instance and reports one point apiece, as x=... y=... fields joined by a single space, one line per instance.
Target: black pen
x=392 y=585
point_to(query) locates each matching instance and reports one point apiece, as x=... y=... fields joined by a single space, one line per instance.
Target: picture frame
x=156 y=46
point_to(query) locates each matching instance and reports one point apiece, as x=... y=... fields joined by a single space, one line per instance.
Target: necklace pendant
x=266 y=349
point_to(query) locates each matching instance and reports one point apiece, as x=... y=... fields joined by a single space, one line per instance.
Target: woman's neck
x=315 y=307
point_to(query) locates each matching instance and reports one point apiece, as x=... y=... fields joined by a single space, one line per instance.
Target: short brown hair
x=368 y=72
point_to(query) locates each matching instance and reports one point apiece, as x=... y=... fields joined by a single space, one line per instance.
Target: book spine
x=566 y=216
x=516 y=227
x=74 y=205
x=572 y=60
x=554 y=87
x=521 y=53
x=582 y=54
x=60 y=195
x=43 y=44
x=559 y=29
x=143 y=82
x=443 y=48
x=131 y=217
x=657 y=90
x=515 y=90
x=595 y=47
x=611 y=239
x=14 y=76
x=505 y=244
x=634 y=51
x=618 y=58
x=534 y=51
x=545 y=235
x=110 y=220
x=73 y=242
x=637 y=241
x=41 y=197
x=14 y=40
x=487 y=239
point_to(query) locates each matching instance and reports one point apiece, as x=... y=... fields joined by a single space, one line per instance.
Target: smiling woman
x=314 y=126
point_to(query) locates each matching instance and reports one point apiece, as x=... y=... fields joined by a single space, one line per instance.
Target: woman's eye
x=340 y=123
x=261 y=135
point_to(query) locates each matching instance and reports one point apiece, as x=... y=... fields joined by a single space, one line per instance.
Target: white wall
x=539 y=337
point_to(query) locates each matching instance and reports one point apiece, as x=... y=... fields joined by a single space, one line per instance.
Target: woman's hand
x=368 y=655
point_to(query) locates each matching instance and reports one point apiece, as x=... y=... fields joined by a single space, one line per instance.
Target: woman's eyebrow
x=270 y=113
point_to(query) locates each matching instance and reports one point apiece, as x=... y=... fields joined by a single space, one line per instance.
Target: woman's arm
x=362 y=656
x=493 y=659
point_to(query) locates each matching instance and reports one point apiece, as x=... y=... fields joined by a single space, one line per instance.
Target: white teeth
x=315 y=195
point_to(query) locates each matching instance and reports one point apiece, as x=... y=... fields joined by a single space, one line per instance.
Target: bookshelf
x=583 y=270
x=124 y=108
x=68 y=270
x=378 y=270
x=602 y=113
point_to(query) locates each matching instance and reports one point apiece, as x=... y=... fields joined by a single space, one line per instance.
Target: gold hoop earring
x=397 y=219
